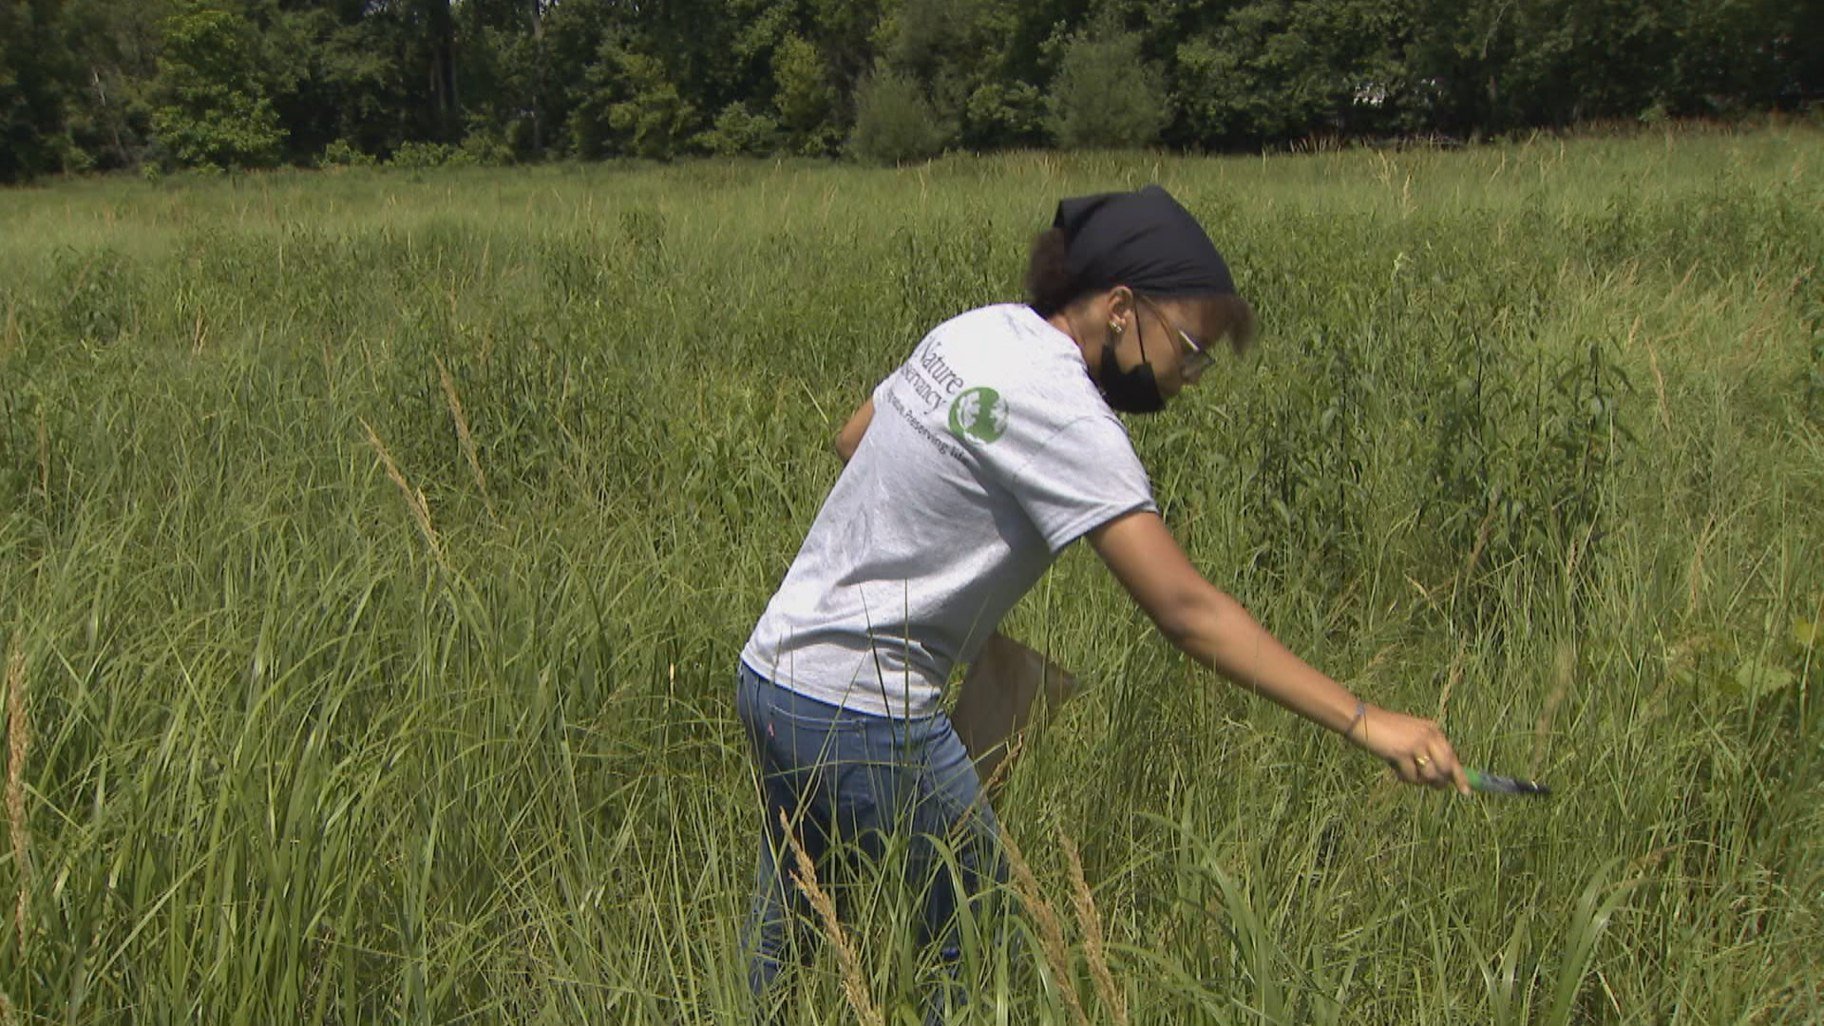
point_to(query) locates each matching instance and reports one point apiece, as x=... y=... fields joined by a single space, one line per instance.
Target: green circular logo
x=979 y=413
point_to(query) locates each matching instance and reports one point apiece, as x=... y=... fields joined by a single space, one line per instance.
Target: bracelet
x=1361 y=714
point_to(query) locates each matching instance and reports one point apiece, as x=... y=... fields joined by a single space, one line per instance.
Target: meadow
x=375 y=549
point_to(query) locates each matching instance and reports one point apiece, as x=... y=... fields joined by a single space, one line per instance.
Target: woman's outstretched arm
x=1214 y=629
x=849 y=437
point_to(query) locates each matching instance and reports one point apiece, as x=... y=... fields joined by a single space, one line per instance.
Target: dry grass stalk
x=1475 y=551
x=1564 y=668
x=463 y=437
x=421 y=510
x=960 y=830
x=1452 y=679
x=1579 y=545
x=1695 y=580
x=1376 y=660
x=854 y=983
x=9 y=340
x=18 y=738
x=1091 y=926
x=44 y=456
x=1659 y=386
x=1002 y=770
x=1051 y=931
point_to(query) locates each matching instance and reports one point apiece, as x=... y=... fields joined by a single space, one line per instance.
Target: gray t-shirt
x=989 y=452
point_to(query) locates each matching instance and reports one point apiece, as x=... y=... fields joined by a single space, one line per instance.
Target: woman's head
x=1134 y=278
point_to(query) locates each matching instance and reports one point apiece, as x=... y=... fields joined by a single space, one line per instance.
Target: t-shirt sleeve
x=1082 y=477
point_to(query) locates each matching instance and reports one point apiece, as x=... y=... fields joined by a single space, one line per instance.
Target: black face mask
x=1132 y=391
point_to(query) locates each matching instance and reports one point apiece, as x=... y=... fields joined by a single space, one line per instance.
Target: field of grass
x=375 y=549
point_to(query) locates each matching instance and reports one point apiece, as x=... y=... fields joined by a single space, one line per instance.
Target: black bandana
x=1143 y=240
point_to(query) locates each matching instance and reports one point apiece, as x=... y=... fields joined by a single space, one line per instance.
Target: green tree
x=1273 y=70
x=630 y=107
x=114 y=47
x=417 y=86
x=844 y=31
x=805 y=97
x=692 y=39
x=1500 y=65
x=212 y=110
x=332 y=73
x=967 y=56
x=574 y=33
x=435 y=36
x=706 y=55
x=1105 y=94
x=33 y=73
x=103 y=83
x=505 y=77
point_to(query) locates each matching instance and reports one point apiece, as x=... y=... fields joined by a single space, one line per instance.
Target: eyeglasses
x=1197 y=359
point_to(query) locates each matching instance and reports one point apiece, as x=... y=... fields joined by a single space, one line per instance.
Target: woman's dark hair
x=1050 y=286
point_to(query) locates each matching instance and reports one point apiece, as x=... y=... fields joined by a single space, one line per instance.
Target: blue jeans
x=846 y=780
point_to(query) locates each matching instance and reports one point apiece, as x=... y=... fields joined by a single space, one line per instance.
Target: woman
x=970 y=468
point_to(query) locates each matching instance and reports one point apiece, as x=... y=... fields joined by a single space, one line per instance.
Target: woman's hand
x=1415 y=748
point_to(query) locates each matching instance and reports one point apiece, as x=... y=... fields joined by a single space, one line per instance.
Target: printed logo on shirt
x=930 y=376
x=979 y=413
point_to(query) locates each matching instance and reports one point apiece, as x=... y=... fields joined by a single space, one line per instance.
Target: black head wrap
x=1143 y=240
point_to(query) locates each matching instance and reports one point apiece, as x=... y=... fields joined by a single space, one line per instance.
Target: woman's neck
x=1082 y=334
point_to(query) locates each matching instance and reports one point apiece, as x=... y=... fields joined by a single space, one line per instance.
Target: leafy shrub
x=414 y=156
x=343 y=153
x=1012 y=112
x=630 y=107
x=486 y=147
x=894 y=122
x=739 y=131
x=1104 y=95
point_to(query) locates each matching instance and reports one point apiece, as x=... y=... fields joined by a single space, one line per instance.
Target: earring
x=1116 y=326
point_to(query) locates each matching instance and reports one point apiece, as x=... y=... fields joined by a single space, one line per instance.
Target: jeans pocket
x=808 y=714
x=751 y=706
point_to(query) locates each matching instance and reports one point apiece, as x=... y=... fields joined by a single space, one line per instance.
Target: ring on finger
x=1421 y=761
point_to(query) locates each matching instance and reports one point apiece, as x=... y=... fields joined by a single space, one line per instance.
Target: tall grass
x=375 y=551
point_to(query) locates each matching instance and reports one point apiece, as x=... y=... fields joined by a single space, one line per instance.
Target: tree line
x=105 y=84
